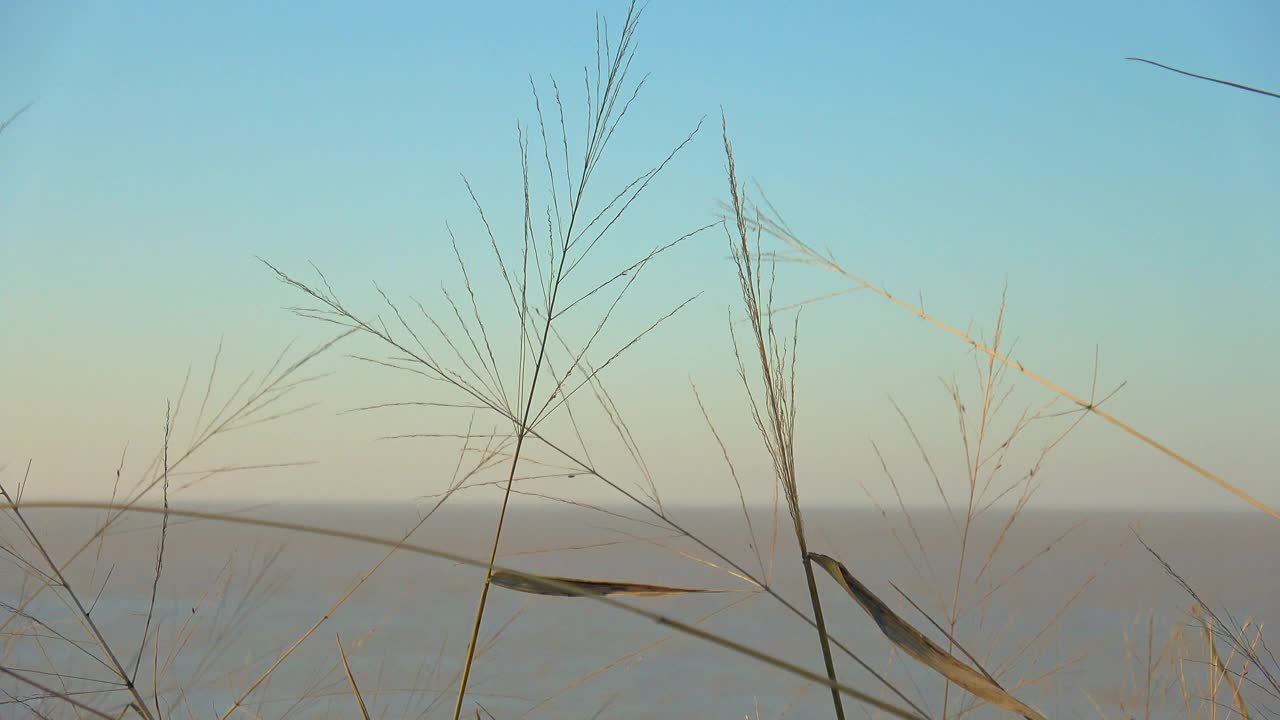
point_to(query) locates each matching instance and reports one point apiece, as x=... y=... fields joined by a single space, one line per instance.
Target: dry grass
x=991 y=429
x=541 y=586
x=767 y=221
x=1250 y=669
x=774 y=411
x=355 y=688
x=248 y=405
x=919 y=647
x=527 y=387
x=534 y=393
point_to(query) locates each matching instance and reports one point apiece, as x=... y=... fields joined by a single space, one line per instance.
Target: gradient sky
x=936 y=147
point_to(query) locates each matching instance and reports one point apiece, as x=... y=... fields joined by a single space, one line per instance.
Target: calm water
x=256 y=591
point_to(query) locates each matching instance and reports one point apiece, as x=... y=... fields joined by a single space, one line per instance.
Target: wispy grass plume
x=774 y=411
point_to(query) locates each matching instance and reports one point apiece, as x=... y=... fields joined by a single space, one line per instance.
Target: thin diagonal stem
x=814 y=258
x=1228 y=83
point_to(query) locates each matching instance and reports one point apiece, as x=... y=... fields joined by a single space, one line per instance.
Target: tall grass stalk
x=544 y=285
x=535 y=286
x=777 y=418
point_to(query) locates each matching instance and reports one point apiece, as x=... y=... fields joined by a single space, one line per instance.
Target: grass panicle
x=774 y=411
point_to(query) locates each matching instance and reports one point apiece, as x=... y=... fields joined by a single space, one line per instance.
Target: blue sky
x=933 y=147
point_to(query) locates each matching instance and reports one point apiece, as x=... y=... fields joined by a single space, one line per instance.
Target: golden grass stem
x=814 y=258
x=355 y=689
x=823 y=641
x=603 y=122
x=493 y=555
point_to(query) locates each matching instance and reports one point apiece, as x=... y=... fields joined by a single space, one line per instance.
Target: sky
x=943 y=150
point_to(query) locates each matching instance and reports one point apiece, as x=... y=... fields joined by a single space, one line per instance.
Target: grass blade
x=1206 y=77
x=541 y=585
x=355 y=689
x=915 y=644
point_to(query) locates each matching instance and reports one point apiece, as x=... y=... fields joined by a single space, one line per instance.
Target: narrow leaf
x=355 y=689
x=919 y=647
x=547 y=585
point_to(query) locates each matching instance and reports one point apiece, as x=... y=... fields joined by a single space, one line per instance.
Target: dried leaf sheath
x=527 y=583
x=919 y=647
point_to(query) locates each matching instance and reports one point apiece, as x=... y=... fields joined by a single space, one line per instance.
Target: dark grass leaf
x=558 y=586
x=914 y=643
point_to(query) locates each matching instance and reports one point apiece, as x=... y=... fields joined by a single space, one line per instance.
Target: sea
x=1070 y=610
